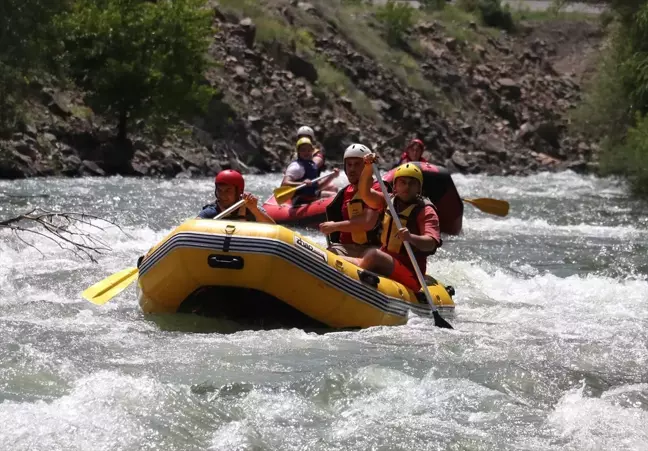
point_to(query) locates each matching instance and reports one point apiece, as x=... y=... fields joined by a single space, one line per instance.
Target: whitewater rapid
x=549 y=351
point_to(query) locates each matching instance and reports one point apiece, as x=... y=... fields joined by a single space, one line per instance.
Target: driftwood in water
x=64 y=229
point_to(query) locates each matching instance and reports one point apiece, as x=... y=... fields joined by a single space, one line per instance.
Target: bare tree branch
x=62 y=228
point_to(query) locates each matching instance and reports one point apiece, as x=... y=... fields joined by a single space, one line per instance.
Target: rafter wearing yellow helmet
x=302 y=173
x=318 y=155
x=419 y=220
x=411 y=171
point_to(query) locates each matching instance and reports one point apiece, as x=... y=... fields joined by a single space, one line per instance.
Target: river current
x=549 y=351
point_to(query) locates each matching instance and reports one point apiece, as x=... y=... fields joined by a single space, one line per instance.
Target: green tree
x=140 y=58
x=630 y=156
x=616 y=104
x=491 y=12
x=26 y=48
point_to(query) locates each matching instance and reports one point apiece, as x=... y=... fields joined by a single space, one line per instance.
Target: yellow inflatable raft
x=261 y=272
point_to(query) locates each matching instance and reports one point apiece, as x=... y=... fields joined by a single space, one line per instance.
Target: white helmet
x=306 y=130
x=356 y=151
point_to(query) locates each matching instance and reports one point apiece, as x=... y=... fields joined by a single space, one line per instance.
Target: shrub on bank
x=491 y=13
x=397 y=18
x=615 y=108
x=630 y=156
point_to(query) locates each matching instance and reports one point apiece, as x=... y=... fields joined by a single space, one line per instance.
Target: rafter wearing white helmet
x=352 y=226
x=356 y=151
x=353 y=169
x=305 y=130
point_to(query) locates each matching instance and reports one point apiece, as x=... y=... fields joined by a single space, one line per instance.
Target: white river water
x=549 y=351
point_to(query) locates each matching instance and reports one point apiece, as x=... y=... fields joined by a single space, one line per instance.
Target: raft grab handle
x=225 y=261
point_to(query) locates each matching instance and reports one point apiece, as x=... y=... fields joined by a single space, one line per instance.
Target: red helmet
x=416 y=141
x=231 y=177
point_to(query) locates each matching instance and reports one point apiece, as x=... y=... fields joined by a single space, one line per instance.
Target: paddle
x=285 y=193
x=106 y=289
x=438 y=320
x=111 y=286
x=492 y=206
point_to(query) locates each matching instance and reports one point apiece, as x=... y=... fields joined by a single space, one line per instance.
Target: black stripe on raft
x=290 y=253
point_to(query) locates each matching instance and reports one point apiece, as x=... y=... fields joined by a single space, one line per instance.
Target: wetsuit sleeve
x=428 y=222
x=209 y=212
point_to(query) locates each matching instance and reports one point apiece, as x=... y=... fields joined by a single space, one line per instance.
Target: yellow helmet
x=302 y=141
x=409 y=170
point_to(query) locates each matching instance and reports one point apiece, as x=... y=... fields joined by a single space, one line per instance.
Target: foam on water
x=543 y=357
x=600 y=423
x=542 y=227
x=105 y=411
x=565 y=185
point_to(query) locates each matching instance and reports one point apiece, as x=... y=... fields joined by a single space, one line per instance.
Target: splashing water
x=549 y=351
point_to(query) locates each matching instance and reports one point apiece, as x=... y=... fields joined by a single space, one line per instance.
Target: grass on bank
x=336 y=82
x=374 y=30
x=271 y=28
x=358 y=24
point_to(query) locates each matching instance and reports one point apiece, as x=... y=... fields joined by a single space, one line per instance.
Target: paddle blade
x=103 y=291
x=284 y=193
x=440 y=322
x=493 y=206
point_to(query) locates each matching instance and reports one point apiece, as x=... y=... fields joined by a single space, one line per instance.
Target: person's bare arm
x=362 y=223
x=372 y=198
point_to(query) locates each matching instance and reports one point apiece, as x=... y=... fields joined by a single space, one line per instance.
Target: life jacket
x=355 y=208
x=406 y=159
x=388 y=237
x=242 y=214
x=311 y=172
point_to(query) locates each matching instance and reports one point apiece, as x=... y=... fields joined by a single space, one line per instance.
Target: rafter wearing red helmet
x=229 y=188
x=413 y=152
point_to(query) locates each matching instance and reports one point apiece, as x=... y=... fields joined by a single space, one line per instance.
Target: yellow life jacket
x=355 y=208
x=388 y=236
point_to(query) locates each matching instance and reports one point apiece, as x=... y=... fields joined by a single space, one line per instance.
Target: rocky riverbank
x=483 y=101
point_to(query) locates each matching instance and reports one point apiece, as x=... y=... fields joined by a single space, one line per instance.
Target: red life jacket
x=406 y=159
